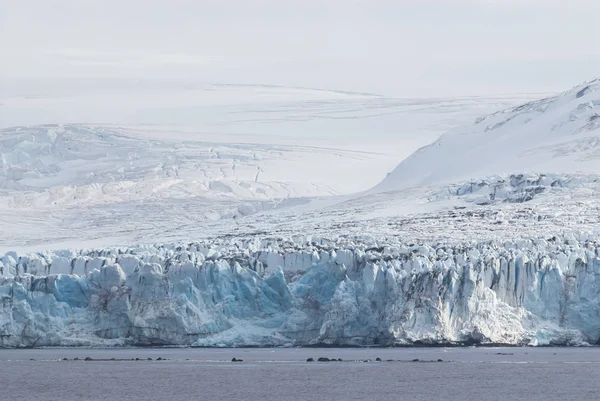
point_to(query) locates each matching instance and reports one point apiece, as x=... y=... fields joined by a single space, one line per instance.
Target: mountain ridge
x=538 y=136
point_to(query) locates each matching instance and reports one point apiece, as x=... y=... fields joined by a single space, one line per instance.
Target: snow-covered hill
x=523 y=172
x=178 y=161
x=553 y=135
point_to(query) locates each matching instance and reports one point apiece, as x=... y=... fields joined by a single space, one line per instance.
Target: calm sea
x=482 y=374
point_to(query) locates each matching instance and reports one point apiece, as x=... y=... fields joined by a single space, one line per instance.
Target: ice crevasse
x=530 y=292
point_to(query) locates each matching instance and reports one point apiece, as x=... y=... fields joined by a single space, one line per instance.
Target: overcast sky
x=402 y=47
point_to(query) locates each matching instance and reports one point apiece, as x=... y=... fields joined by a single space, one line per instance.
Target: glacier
x=489 y=235
x=346 y=291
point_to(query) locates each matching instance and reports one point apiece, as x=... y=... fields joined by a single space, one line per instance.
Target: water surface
x=484 y=374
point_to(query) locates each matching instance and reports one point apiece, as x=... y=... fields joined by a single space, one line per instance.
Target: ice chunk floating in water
x=528 y=292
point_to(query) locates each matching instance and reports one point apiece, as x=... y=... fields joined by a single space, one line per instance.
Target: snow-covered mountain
x=489 y=235
x=554 y=135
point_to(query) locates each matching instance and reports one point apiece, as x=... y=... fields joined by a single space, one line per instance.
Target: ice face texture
x=531 y=292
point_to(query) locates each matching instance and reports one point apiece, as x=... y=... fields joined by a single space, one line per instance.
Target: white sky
x=402 y=47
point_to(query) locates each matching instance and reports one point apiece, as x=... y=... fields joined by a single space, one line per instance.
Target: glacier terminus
x=313 y=292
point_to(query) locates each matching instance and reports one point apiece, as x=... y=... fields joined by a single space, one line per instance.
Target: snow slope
x=523 y=172
x=553 y=135
x=170 y=160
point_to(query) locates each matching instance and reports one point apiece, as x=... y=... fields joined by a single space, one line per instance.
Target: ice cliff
x=348 y=291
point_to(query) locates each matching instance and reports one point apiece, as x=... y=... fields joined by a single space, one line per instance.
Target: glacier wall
x=305 y=291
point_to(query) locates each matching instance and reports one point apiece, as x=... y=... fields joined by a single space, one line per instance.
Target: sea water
x=284 y=374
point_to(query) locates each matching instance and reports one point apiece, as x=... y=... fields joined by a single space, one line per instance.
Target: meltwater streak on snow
x=311 y=292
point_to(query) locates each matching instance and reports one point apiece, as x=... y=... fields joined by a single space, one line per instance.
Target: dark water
x=282 y=374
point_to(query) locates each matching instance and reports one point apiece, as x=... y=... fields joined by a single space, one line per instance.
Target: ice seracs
x=531 y=292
